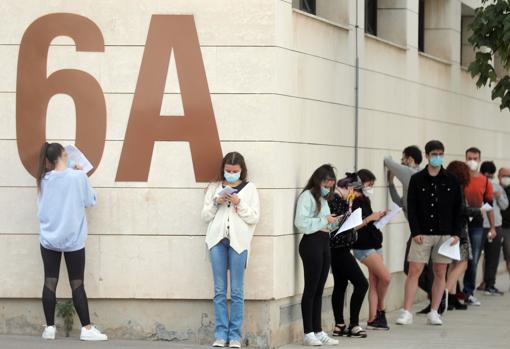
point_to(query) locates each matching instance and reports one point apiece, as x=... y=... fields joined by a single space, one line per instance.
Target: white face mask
x=505 y=181
x=368 y=191
x=473 y=165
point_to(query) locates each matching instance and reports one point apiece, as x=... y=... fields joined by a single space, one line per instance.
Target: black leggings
x=75 y=262
x=315 y=253
x=345 y=268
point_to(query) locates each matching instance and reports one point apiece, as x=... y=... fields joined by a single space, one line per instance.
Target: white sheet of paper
x=447 y=250
x=487 y=207
x=227 y=191
x=353 y=221
x=393 y=211
x=76 y=156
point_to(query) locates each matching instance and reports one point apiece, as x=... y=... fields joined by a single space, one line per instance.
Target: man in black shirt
x=434 y=214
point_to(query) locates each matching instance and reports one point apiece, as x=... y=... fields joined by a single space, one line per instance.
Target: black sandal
x=340 y=331
x=357 y=332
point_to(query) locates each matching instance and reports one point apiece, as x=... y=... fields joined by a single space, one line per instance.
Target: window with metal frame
x=371 y=17
x=308 y=6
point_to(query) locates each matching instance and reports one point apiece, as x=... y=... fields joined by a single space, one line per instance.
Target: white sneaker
x=433 y=318
x=472 y=300
x=325 y=339
x=92 y=335
x=234 y=344
x=219 y=343
x=49 y=332
x=405 y=318
x=311 y=340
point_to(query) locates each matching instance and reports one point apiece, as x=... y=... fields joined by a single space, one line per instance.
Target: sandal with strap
x=357 y=332
x=340 y=331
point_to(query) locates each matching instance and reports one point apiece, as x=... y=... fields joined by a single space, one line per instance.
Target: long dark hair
x=350 y=179
x=323 y=173
x=233 y=158
x=50 y=152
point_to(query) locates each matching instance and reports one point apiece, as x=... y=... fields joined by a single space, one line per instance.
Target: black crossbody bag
x=345 y=239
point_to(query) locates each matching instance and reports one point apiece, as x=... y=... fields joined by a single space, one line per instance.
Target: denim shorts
x=362 y=254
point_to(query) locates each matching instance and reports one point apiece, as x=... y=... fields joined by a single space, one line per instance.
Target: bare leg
x=372 y=296
x=411 y=286
x=439 y=285
x=376 y=267
x=454 y=273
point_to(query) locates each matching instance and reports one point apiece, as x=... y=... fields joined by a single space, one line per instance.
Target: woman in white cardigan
x=232 y=209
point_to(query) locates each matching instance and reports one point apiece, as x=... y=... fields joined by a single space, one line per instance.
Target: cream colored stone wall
x=282 y=88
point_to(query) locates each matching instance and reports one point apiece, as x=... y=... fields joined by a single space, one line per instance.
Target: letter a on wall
x=171 y=34
x=34 y=89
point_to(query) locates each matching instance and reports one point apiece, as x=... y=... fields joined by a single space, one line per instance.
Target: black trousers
x=316 y=256
x=75 y=262
x=345 y=268
x=492 y=251
x=427 y=276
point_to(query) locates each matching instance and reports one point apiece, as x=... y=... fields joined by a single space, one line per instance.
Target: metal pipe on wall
x=356 y=93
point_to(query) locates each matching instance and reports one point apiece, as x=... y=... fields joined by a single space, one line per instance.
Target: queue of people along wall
x=463 y=205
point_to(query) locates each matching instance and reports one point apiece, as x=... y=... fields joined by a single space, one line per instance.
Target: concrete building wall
x=282 y=88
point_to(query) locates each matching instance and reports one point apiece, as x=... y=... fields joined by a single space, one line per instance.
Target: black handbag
x=344 y=239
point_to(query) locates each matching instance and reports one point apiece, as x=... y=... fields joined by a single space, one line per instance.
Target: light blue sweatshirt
x=307 y=220
x=62 y=201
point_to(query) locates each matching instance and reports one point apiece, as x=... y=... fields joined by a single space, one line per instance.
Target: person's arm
x=210 y=207
x=249 y=211
x=489 y=197
x=502 y=199
x=305 y=220
x=89 y=197
x=413 y=207
x=395 y=196
x=457 y=211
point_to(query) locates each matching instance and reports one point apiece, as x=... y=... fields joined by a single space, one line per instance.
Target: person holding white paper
x=368 y=250
x=461 y=171
x=344 y=266
x=232 y=217
x=434 y=214
x=63 y=196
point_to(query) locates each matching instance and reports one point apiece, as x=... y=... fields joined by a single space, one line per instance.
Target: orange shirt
x=478 y=191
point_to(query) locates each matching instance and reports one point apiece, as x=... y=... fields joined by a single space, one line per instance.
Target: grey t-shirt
x=403 y=174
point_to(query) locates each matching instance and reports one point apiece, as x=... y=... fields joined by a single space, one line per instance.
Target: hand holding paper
x=449 y=250
x=486 y=208
x=227 y=191
x=392 y=212
x=77 y=158
x=351 y=222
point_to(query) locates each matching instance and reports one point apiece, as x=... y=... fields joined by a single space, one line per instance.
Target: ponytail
x=50 y=153
x=42 y=165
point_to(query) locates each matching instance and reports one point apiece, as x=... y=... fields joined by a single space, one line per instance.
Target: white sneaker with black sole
x=92 y=335
x=49 y=332
x=433 y=318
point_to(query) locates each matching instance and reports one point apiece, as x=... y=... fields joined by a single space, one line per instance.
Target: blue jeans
x=476 y=237
x=223 y=258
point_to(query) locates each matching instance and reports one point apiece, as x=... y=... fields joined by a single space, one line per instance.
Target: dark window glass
x=421 y=26
x=307 y=6
x=371 y=17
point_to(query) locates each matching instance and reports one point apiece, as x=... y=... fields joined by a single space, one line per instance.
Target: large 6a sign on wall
x=168 y=34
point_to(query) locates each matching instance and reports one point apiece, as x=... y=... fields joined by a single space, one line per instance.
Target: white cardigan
x=241 y=218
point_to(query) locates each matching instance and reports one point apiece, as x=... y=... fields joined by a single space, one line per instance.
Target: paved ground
x=487 y=326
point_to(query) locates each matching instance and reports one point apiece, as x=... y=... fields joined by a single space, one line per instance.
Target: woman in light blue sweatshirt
x=314 y=220
x=64 y=193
